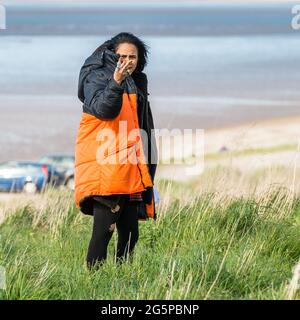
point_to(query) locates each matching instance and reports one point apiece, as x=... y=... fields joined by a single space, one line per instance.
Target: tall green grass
x=213 y=246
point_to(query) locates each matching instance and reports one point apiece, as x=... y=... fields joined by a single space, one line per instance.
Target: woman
x=113 y=89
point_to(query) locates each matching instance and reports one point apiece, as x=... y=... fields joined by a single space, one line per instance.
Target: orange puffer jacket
x=112 y=155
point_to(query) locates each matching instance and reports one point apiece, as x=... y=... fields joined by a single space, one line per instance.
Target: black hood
x=104 y=57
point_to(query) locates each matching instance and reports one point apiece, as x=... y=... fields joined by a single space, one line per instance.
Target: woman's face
x=128 y=51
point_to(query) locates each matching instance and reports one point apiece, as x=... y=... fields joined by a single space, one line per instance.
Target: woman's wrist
x=119 y=82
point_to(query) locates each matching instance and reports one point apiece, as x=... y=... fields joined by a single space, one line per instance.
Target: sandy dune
x=260 y=144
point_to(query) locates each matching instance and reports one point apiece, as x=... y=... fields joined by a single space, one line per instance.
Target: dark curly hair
x=127 y=37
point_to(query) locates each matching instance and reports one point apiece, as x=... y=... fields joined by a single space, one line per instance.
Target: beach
x=236 y=79
x=51 y=124
x=260 y=156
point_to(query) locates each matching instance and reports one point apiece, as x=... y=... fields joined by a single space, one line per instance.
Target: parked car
x=64 y=164
x=27 y=176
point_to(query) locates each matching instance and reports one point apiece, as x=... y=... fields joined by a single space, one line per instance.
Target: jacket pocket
x=116 y=151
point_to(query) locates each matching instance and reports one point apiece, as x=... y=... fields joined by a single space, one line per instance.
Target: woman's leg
x=103 y=228
x=128 y=230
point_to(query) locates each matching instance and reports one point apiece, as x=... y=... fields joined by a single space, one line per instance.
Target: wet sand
x=50 y=124
x=31 y=127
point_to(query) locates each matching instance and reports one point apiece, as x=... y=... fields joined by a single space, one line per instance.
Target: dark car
x=64 y=164
x=27 y=176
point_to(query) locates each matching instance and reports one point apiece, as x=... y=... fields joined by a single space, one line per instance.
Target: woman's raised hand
x=121 y=71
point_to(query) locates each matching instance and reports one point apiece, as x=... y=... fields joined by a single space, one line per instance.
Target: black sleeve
x=103 y=96
x=153 y=147
x=152 y=153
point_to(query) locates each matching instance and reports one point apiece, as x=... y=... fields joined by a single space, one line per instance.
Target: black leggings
x=126 y=221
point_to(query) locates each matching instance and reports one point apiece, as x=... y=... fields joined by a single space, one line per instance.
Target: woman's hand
x=122 y=72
